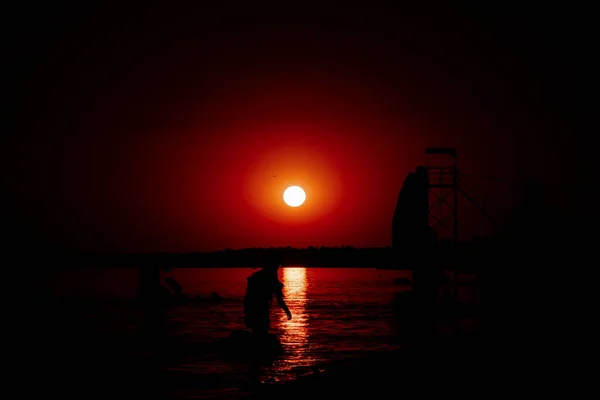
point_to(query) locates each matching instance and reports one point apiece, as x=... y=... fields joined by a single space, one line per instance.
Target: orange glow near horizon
x=277 y=169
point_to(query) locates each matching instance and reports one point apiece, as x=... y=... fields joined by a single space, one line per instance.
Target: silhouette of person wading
x=263 y=286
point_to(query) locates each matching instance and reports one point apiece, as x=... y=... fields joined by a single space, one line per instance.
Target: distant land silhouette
x=317 y=256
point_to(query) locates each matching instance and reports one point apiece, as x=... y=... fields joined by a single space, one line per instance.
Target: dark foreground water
x=338 y=314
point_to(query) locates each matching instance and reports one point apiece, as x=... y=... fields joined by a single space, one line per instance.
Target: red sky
x=169 y=135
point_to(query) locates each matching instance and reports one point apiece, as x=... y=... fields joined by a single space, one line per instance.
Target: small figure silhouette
x=530 y=228
x=263 y=286
x=533 y=237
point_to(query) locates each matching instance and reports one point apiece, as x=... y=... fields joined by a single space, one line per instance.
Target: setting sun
x=294 y=196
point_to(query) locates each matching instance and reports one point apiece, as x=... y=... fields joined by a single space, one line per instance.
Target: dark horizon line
x=254 y=248
x=323 y=257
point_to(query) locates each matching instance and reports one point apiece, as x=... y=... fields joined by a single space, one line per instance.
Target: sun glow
x=294 y=196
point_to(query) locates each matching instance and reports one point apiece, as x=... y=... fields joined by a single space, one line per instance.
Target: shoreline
x=440 y=360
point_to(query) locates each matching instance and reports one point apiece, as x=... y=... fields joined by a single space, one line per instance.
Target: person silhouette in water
x=263 y=286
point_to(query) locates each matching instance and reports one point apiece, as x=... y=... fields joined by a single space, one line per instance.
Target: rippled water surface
x=337 y=314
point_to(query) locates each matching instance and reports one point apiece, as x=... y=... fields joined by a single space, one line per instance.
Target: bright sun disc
x=294 y=196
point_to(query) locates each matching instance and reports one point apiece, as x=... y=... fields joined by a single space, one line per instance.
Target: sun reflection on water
x=294 y=333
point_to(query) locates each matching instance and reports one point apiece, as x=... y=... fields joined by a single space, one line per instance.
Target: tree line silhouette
x=312 y=256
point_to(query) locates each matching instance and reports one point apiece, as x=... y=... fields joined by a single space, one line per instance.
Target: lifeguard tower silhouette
x=446 y=185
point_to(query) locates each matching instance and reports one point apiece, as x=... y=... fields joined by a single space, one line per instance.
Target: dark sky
x=155 y=128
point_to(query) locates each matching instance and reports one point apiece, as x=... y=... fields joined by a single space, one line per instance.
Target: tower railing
x=445 y=184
